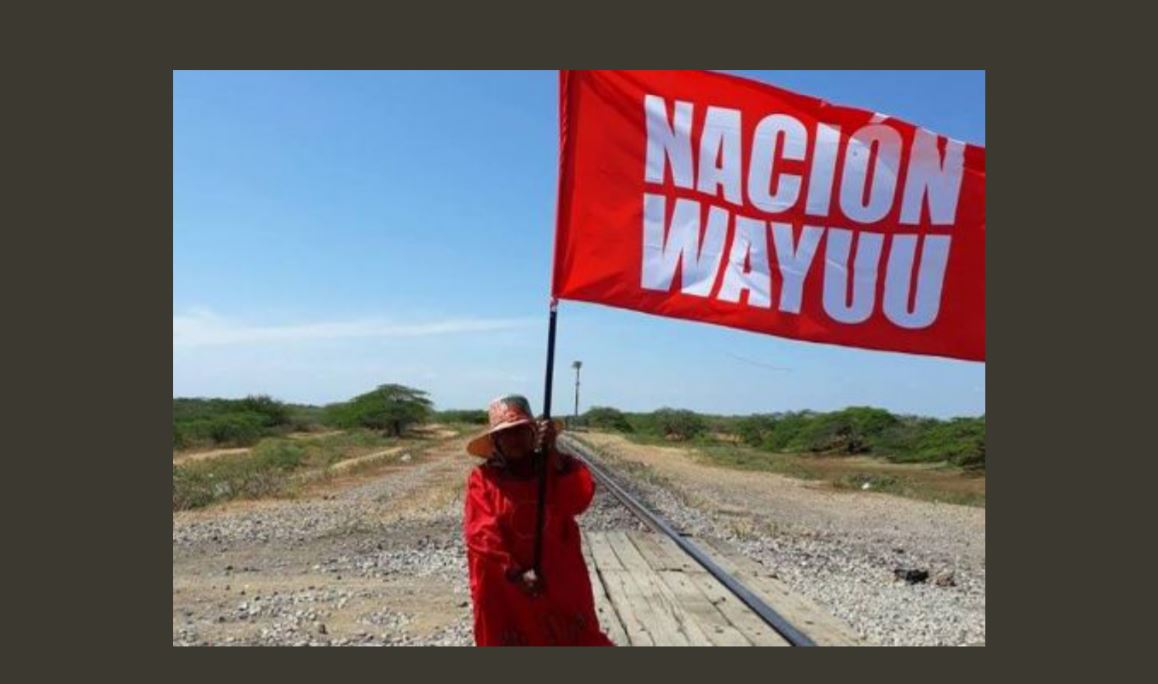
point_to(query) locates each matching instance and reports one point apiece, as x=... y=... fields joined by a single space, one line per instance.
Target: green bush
x=473 y=416
x=191 y=489
x=605 y=418
x=678 y=424
x=262 y=472
x=960 y=441
x=180 y=437
x=278 y=455
x=854 y=430
x=239 y=429
x=774 y=432
x=753 y=429
x=303 y=418
x=232 y=422
x=272 y=412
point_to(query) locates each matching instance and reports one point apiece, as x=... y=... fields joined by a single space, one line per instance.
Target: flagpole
x=561 y=208
x=543 y=452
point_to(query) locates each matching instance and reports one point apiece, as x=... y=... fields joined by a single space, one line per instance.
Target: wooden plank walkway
x=648 y=592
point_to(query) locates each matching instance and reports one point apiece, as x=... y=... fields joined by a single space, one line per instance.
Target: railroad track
x=791 y=633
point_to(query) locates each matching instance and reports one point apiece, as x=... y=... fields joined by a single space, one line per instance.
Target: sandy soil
x=374 y=555
x=808 y=505
x=189 y=456
x=374 y=558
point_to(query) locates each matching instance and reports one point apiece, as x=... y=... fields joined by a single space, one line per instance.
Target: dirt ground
x=374 y=555
x=841 y=548
x=181 y=457
x=807 y=505
x=372 y=558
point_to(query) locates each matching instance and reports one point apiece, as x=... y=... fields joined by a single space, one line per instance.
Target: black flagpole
x=560 y=209
x=542 y=452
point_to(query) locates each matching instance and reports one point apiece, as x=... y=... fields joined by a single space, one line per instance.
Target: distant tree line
x=390 y=409
x=854 y=430
x=232 y=422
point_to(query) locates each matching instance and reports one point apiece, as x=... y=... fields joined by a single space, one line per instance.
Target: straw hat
x=505 y=412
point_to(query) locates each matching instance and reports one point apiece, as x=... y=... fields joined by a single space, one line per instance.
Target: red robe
x=499 y=525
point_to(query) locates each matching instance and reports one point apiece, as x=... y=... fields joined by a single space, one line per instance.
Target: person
x=514 y=605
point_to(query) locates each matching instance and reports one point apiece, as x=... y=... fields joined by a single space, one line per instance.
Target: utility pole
x=577 y=365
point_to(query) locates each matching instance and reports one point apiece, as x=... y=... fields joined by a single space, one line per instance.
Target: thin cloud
x=201 y=327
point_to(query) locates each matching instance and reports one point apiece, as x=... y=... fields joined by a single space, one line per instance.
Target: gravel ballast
x=846 y=563
x=380 y=561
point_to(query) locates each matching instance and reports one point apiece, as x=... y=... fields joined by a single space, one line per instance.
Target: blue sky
x=333 y=231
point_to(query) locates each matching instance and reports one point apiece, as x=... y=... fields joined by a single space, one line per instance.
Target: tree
x=390 y=408
x=852 y=430
x=605 y=418
x=755 y=429
x=273 y=412
x=678 y=424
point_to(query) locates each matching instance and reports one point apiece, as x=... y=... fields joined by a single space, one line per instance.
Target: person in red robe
x=513 y=605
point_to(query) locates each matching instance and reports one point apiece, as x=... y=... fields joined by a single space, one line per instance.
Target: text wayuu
x=833 y=185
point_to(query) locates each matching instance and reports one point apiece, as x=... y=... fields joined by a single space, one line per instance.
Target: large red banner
x=709 y=197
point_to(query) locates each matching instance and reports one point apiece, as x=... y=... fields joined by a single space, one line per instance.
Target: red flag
x=713 y=198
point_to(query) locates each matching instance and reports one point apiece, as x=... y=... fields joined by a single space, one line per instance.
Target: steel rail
x=769 y=615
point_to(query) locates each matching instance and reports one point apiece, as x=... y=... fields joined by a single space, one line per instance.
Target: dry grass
x=284 y=467
x=941 y=482
x=928 y=481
